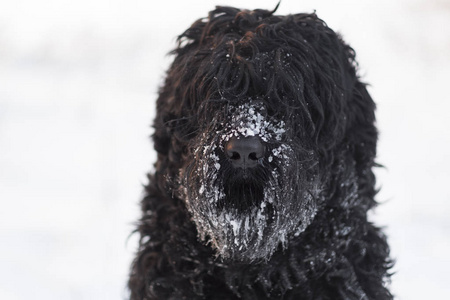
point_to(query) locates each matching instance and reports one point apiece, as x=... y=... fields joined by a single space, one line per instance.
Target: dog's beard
x=247 y=215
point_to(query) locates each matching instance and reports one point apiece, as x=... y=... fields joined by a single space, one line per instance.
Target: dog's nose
x=244 y=152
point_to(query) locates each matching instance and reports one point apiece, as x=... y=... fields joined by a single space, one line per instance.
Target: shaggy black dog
x=266 y=141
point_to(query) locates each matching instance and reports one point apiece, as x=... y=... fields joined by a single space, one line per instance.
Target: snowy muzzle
x=246 y=211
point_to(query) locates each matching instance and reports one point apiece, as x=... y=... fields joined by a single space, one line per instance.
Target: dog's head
x=255 y=123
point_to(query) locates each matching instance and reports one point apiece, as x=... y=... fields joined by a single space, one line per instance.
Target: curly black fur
x=295 y=226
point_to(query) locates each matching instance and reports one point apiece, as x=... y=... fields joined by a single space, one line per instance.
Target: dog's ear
x=341 y=108
x=363 y=136
x=171 y=137
x=161 y=137
x=361 y=130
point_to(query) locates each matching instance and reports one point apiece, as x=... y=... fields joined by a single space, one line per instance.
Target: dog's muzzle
x=244 y=152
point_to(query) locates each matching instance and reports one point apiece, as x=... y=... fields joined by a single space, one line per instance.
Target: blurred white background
x=78 y=82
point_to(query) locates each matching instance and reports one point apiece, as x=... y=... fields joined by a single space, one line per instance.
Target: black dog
x=266 y=142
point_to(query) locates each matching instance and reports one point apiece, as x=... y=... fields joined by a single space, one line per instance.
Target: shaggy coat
x=294 y=226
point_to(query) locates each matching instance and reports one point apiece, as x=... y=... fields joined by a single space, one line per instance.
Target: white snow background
x=78 y=82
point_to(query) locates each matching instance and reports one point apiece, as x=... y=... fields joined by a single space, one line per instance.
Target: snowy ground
x=77 y=88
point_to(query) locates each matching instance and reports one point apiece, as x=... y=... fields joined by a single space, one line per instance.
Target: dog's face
x=252 y=115
x=252 y=183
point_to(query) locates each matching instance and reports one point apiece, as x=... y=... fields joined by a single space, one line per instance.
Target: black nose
x=244 y=152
